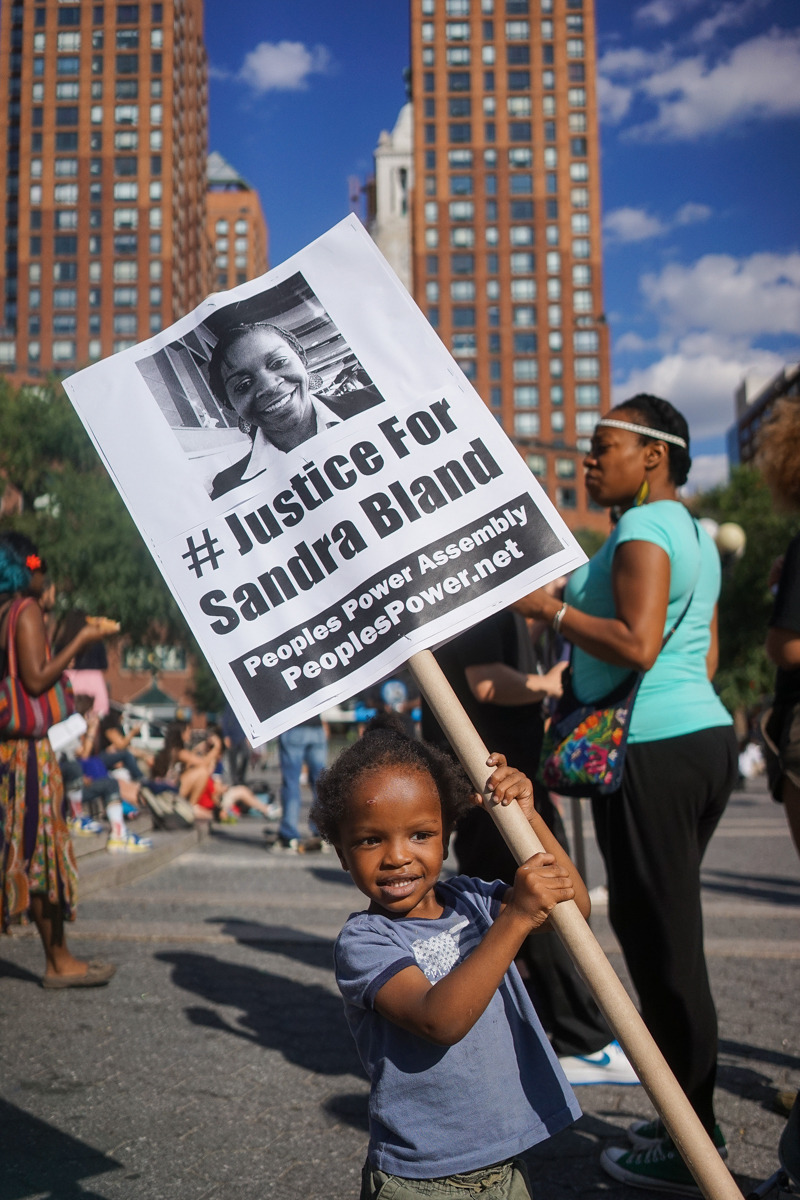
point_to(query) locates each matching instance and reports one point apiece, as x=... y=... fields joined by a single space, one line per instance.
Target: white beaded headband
x=645 y=431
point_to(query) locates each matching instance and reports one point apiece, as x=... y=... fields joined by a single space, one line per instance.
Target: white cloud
x=613 y=100
x=638 y=225
x=283 y=66
x=690 y=213
x=707 y=471
x=700 y=383
x=759 y=79
x=736 y=297
x=631 y=343
x=662 y=12
x=734 y=12
x=632 y=225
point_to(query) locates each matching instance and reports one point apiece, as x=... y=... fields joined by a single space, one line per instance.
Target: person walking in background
x=779 y=459
x=37 y=865
x=493 y=670
x=656 y=569
x=304 y=746
x=237 y=747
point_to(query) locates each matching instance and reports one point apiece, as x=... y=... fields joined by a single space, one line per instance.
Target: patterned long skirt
x=36 y=855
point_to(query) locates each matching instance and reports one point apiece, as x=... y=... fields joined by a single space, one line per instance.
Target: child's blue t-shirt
x=676 y=696
x=440 y=1110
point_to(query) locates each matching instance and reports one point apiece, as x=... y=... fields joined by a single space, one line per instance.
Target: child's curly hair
x=385 y=743
x=778 y=453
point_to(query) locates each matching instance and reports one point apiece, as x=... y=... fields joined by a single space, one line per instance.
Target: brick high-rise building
x=506 y=218
x=237 y=231
x=103 y=156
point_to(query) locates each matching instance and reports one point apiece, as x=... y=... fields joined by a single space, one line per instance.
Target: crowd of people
x=449 y=988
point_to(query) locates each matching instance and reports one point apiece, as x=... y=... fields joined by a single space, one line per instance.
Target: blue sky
x=700 y=101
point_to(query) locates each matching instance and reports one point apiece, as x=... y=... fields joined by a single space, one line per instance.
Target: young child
x=462 y=1077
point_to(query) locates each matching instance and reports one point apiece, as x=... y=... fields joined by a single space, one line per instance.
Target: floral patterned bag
x=584 y=747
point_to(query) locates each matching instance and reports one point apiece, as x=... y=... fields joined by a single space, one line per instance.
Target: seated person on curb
x=463 y=1079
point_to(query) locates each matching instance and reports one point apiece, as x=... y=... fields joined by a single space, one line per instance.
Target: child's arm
x=445 y=1012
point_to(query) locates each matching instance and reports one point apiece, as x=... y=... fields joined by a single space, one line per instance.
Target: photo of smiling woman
x=261 y=372
x=253 y=381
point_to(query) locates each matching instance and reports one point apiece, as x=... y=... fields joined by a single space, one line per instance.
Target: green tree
x=745 y=673
x=73 y=512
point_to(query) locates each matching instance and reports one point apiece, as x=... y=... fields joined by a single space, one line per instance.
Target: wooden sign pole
x=683 y=1124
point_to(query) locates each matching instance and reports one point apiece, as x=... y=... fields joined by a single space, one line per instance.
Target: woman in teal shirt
x=681 y=761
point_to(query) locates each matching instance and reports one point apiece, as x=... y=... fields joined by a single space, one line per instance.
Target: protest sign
x=322 y=488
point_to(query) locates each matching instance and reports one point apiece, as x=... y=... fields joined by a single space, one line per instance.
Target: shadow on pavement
x=775 y=889
x=9 y=970
x=350 y=1108
x=278 y=939
x=39 y=1160
x=302 y=1021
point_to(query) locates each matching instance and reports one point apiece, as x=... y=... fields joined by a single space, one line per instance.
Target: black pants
x=653 y=833
x=565 y=1006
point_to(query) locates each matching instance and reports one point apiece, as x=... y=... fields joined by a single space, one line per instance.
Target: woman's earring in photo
x=642 y=494
x=245 y=426
x=315 y=381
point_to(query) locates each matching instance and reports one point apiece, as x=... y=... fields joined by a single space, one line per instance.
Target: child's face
x=393 y=841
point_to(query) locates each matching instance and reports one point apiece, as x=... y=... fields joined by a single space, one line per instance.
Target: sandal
x=97 y=974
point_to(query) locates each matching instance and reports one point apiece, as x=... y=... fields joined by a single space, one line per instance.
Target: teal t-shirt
x=676 y=696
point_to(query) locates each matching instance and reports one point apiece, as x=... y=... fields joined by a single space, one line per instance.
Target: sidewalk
x=217 y=1065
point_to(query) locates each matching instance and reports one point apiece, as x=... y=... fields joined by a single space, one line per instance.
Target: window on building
x=65 y=272
x=461 y=210
x=127 y=14
x=526 y=396
x=577 y=122
x=462 y=264
x=461 y=185
x=126 y=218
x=585 y=341
x=522 y=263
x=587 y=395
x=458 y=56
x=520 y=156
x=523 y=289
x=125 y=271
x=460 y=131
x=464 y=344
x=586 y=421
x=457 y=31
x=462 y=235
x=579 y=196
x=126 y=191
x=457 y=81
x=566 y=497
x=126 y=114
x=581 y=248
x=518 y=55
x=526 y=369
x=525 y=343
x=576 y=97
x=521 y=235
x=526 y=424
x=524 y=315
x=64 y=41
x=125 y=297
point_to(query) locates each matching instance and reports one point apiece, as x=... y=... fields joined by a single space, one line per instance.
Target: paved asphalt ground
x=218 y=1065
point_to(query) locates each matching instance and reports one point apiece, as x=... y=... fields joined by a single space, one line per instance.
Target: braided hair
x=660 y=414
x=385 y=743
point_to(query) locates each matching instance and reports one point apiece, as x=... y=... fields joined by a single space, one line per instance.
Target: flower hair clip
x=33 y=562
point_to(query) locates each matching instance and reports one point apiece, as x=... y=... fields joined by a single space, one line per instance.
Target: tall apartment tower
x=506 y=219
x=103 y=155
x=237 y=231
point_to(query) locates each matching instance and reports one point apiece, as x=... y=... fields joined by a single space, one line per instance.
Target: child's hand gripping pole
x=683 y=1124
